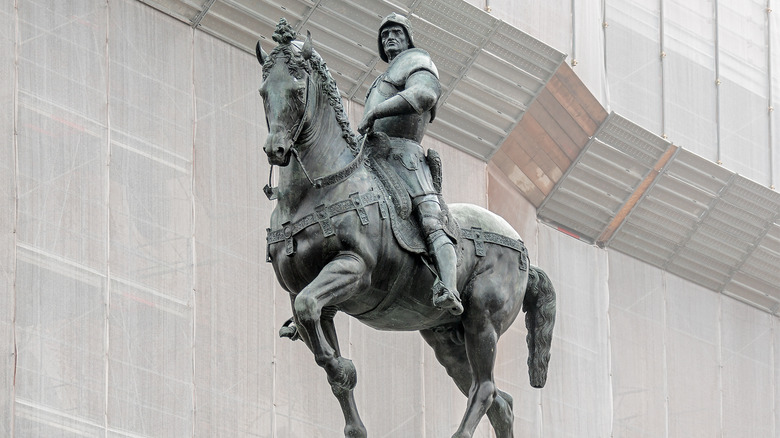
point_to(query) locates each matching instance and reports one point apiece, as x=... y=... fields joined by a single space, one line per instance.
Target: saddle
x=389 y=192
x=406 y=229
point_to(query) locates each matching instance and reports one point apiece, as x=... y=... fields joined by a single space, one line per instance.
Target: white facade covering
x=134 y=296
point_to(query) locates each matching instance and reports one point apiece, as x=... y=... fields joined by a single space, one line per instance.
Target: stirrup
x=444 y=298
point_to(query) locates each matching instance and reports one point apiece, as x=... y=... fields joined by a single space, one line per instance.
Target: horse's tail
x=539 y=308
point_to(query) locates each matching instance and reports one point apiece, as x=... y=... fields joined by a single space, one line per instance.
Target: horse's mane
x=285 y=36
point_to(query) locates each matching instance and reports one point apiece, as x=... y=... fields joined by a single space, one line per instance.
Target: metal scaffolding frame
x=624 y=188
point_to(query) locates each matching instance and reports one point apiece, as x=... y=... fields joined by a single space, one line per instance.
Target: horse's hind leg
x=452 y=355
x=493 y=303
x=481 y=353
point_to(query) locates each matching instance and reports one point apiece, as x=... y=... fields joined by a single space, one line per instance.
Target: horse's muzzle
x=277 y=154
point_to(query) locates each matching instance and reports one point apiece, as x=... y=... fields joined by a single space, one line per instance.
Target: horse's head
x=285 y=91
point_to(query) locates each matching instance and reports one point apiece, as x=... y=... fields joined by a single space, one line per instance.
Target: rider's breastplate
x=411 y=126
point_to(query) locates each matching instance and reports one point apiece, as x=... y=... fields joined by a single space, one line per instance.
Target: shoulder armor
x=408 y=62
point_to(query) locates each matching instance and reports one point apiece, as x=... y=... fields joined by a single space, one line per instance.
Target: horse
x=333 y=250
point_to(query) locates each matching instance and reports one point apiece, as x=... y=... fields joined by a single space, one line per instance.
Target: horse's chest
x=303 y=253
x=298 y=260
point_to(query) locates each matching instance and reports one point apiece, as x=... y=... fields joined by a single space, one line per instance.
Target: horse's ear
x=260 y=53
x=307 y=47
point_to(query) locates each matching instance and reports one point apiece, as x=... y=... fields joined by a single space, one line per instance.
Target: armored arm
x=422 y=91
x=394 y=106
x=420 y=94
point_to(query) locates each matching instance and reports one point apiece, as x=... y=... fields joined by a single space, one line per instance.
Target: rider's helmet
x=399 y=20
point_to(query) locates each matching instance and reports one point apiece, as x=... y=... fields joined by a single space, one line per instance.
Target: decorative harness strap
x=480 y=237
x=322 y=215
x=358 y=202
x=343 y=174
x=272 y=193
x=328 y=180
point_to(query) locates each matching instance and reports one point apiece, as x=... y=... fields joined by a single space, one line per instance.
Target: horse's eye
x=300 y=93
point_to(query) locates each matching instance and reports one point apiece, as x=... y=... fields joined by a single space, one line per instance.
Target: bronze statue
x=341 y=238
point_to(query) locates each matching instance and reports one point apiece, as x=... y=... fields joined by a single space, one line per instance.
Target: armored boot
x=445 y=290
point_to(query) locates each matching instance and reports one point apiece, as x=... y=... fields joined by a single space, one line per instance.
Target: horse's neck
x=324 y=148
x=323 y=151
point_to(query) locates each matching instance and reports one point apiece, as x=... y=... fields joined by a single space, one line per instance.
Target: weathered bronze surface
x=341 y=240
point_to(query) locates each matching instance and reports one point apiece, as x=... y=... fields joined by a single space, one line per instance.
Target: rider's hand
x=367 y=123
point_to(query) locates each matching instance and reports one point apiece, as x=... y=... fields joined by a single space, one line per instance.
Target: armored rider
x=401 y=103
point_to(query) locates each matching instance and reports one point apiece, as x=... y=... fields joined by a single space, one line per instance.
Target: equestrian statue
x=360 y=227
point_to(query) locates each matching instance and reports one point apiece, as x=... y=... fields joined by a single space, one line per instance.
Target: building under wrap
x=634 y=145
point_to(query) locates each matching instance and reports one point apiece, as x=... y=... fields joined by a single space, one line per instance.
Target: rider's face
x=394 y=40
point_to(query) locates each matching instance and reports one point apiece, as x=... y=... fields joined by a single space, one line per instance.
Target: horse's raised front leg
x=354 y=427
x=340 y=279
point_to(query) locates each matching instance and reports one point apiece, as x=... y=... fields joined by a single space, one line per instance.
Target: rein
x=272 y=193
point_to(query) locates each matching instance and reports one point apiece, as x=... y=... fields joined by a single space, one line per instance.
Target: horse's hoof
x=355 y=432
x=346 y=375
x=289 y=330
x=290 y=333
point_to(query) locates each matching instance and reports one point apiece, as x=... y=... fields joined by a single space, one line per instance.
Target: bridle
x=272 y=193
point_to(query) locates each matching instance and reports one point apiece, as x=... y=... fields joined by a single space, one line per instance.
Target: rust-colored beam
x=640 y=191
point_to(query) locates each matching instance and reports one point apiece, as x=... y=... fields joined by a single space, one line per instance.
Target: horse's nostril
x=272 y=150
